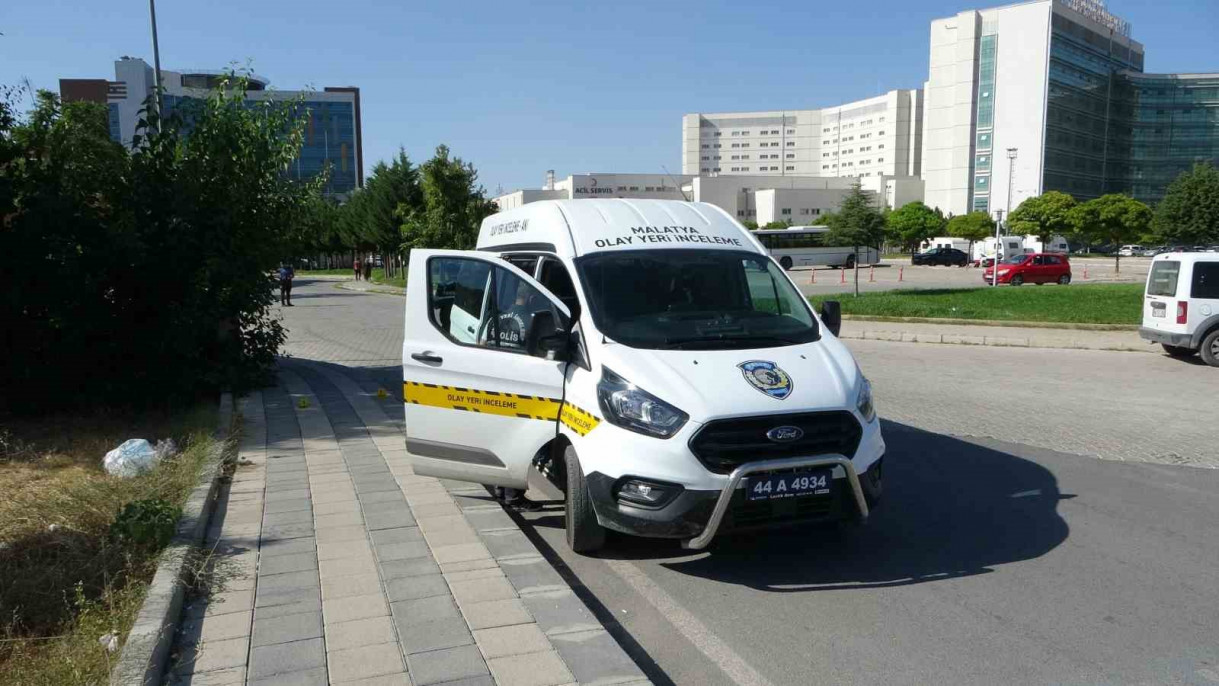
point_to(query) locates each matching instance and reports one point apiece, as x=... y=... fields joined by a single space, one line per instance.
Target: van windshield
x=694 y=299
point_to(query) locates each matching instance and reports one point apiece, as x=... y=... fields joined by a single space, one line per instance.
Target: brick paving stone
x=595 y=657
x=482 y=590
x=415 y=587
x=340 y=549
x=448 y=666
x=351 y=608
x=424 y=610
x=496 y=613
x=404 y=534
x=210 y=628
x=434 y=635
x=346 y=566
x=364 y=661
x=282 y=658
x=305 y=677
x=229 y=676
x=360 y=632
x=283 y=564
x=347 y=586
x=534 y=669
x=215 y=655
x=402 y=551
x=511 y=640
x=397 y=569
x=286 y=629
x=301 y=601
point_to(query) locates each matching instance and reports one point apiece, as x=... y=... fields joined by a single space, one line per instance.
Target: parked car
x=1035 y=268
x=1181 y=305
x=950 y=257
x=1130 y=250
x=1152 y=252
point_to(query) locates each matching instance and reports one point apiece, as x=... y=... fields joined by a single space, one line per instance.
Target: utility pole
x=156 y=59
x=1011 y=178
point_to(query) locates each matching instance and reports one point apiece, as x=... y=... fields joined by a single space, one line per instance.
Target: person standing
x=286 y=274
x=358 y=268
x=368 y=268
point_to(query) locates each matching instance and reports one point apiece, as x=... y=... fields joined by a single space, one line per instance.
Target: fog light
x=646 y=493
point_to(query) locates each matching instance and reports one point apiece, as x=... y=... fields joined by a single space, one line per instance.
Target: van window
x=555 y=278
x=1163 y=278
x=475 y=303
x=704 y=299
x=525 y=263
x=1206 y=281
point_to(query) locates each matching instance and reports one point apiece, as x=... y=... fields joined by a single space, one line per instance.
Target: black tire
x=850 y=263
x=1210 y=348
x=872 y=484
x=584 y=534
x=785 y=262
x=1017 y=280
x=1064 y=279
x=1178 y=350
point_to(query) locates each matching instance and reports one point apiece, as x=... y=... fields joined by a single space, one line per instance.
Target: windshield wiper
x=680 y=342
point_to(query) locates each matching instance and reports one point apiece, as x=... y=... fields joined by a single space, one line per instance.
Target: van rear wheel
x=1210 y=348
x=584 y=534
x=1177 y=350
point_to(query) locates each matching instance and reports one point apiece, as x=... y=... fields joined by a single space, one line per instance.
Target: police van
x=644 y=360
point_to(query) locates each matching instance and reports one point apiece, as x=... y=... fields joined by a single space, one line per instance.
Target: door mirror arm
x=831 y=316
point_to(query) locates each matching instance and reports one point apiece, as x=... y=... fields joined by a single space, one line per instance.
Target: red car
x=1032 y=268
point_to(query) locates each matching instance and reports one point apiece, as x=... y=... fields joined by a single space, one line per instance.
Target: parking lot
x=900 y=274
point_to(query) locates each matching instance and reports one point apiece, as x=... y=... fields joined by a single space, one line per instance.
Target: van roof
x=579 y=227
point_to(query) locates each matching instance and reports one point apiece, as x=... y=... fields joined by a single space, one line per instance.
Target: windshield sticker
x=643 y=235
x=767 y=378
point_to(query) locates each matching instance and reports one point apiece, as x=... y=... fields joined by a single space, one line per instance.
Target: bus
x=804 y=246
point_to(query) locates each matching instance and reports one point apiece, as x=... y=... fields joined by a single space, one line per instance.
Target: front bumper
x=696 y=516
x=1181 y=340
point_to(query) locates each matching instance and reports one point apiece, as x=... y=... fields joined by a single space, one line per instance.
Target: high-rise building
x=880 y=136
x=333 y=134
x=1059 y=84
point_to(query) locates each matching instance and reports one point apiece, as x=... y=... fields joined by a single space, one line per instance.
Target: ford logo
x=785 y=434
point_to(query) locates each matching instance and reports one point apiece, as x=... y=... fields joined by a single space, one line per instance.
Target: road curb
x=1061 y=326
x=146 y=649
x=992 y=341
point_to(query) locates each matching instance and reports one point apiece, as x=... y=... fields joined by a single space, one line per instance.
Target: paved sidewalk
x=340 y=565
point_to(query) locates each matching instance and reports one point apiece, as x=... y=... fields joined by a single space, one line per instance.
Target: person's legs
x=283 y=293
x=288 y=293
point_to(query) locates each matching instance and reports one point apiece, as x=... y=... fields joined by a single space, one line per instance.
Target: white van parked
x=1181 y=305
x=1130 y=250
x=1008 y=246
x=645 y=360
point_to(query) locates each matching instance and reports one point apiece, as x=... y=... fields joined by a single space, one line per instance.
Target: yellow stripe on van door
x=474 y=400
x=506 y=404
x=577 y=419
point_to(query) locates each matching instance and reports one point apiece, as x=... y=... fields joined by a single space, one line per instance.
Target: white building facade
x=1035 y=77
x=880 y=136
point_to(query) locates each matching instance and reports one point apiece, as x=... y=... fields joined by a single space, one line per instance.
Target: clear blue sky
x=518 y=88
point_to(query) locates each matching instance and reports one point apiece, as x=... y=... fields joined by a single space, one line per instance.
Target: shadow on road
x=951 y=509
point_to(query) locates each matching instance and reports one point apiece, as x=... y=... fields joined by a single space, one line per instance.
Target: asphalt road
x=991 y=560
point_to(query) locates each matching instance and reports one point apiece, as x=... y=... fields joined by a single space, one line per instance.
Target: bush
x=134 y=277
x=147 y=523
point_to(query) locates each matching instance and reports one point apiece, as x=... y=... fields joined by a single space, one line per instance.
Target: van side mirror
x=545 y=338
x=831 y=316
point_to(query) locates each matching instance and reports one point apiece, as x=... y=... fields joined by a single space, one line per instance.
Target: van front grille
x=725 y=444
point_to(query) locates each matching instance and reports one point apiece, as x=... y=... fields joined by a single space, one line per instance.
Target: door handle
x=427 y=356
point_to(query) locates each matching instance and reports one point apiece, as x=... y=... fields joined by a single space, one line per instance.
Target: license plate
x=778 y=486
x=1158 y=311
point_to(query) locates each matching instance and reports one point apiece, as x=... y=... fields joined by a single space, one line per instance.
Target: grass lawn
x=346 y=271
x=1077 y=304
x=67 y=576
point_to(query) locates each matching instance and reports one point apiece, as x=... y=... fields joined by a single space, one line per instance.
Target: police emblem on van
x=785 y=434
x=767 y=378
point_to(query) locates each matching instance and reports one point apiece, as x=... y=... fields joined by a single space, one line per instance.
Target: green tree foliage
x=1043 y=216
x=1189 y=212
x=913 y=223
x=452 y=208
x=750 y=224
x=824 y=219
x=370 y=218
x=144 y=276
x=857 y=222
x=777 y=225
x=1113 y=219
x=973 y=227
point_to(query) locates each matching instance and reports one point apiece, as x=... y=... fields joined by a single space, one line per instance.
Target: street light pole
x=156 y=59
x=1011 y=176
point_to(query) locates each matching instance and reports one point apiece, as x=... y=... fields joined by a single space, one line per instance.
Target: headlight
x=863 y=402
x=1004 y=270
x=634 y=408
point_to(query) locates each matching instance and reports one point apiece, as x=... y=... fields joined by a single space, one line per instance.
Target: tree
x=856 y=223
x=777 y=225
x=1114 y=219
x=913 y=223
x=973 y=227
x=823 y=219
x=1189 y=212
x=750 y=224
x=1043 y=216
x=371 y=215
x=452 y=208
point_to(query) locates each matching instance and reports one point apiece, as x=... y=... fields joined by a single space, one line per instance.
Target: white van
x=647 y=361
x=1181 y=304
x=1130 y=250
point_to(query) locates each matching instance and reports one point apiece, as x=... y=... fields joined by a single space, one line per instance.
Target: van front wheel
x=584 y=534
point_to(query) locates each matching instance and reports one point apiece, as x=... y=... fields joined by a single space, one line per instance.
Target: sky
x=519 y=88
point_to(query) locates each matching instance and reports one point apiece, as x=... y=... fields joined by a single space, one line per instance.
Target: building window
x=880 y=147
x=706 y=158
x=791 y=144
x=880 y=133
x=983 y=141
x=717 y=133
x=716 y=169
x=736 y=133
x=981 y=183
x=791 y=156
x=736 y=145
x=650 y=189
x=774 y=132
x=744 y=145
x=786 y=211
x=717 y=157
x=736 y=157
x=881 y=120
x=705 y=146
x=717 y=145
x=879 y=160
x=705 y=170
x=791 y=131
x=744 y=168
x=982 y=204
x=791 y=168
x=825 y=166
x=744 y=133
x=740 y=213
